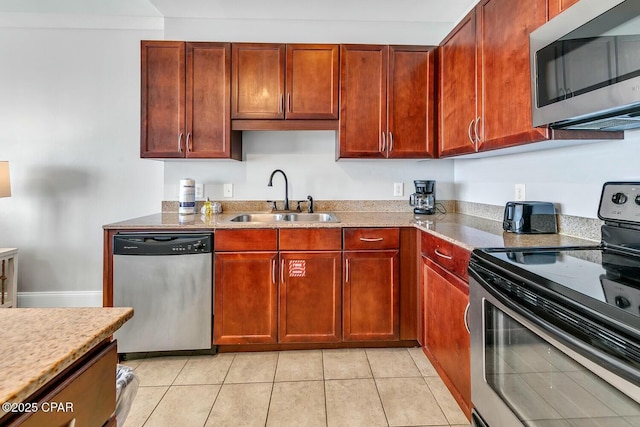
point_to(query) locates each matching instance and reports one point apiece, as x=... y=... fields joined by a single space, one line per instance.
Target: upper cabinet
x=491 y=108
x=485 y=80
x=277 y=81
x=185 y=101
x=558 y=6
x=386 y=102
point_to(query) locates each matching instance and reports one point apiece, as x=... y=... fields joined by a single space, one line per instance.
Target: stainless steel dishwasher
x=168 y=280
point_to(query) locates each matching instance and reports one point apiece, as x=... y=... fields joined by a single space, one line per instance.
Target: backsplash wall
x=308 y=159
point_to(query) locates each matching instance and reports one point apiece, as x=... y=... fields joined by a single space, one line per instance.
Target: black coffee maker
x=424 y=199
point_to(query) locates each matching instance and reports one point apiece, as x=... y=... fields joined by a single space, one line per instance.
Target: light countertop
x=464 y=230
x=36 y=344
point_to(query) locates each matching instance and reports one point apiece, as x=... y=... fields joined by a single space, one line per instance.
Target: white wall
x=571 y=177
x=69 y=113
x=308 y=159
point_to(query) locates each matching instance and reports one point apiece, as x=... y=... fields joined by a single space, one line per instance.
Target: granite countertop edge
x=40 y=343
x=463 y=230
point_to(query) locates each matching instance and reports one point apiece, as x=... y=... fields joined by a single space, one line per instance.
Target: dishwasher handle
x=161 y=244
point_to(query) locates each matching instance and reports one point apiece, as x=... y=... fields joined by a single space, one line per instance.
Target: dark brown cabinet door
x=558 y=6
x=444 y=332
x=310 y=297
x=504 y=80
x=162 y=125
x=411 y=114
x=312 y=81
x=371 y=291
x=363 y=101
x=208 y=116
x=457 y=80
x=246 y=304
x=257 y=81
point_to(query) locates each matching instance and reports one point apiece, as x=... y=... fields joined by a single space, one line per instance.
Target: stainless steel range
x=555 y=332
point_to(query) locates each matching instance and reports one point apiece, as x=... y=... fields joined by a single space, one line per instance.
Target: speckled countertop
x=465 y=230
x=36 y=344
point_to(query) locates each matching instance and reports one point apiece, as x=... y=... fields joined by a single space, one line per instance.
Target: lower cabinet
x=444 y=335
x=371 y=309
x=245 y=290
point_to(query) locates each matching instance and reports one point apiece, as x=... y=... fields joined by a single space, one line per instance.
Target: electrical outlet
x=398 y=189
x=228 y=190
x=199 y=191
x=520 y=192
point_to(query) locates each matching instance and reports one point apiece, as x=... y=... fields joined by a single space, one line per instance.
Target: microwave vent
x=617 y=123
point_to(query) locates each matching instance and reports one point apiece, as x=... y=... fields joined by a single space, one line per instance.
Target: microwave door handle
x=626 y=371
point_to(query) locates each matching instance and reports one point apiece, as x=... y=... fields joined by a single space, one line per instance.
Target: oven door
x=526 y=372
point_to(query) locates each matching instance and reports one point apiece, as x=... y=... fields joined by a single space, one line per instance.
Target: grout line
x=375 y=383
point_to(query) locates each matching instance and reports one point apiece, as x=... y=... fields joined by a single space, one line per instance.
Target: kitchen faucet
x=286 y=187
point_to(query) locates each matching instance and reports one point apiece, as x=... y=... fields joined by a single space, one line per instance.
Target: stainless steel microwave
x=585 y=67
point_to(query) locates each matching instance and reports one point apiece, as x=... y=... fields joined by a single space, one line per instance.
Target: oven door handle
x=587 y=351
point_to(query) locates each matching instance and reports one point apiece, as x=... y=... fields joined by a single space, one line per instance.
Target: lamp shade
x=5 y=181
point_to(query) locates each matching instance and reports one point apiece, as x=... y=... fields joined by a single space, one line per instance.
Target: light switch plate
x=199 y=191
x=228 y=190
x=520 y=192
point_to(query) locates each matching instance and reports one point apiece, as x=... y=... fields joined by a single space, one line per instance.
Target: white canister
x=187 y=196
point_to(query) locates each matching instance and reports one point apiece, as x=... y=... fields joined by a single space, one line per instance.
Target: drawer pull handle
x=282 y=271
x=466 y=318
x=273 y=271
x=440 y=254
x=371 y=239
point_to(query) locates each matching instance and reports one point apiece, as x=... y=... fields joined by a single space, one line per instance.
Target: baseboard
x=60 y=299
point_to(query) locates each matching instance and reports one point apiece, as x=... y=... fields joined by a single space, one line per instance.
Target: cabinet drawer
x=246 y=240
x=310 y=239
x=448 y=255
x=371 y=238
x=88 y=394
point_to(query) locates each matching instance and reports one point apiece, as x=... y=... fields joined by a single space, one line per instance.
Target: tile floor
x=350 y=387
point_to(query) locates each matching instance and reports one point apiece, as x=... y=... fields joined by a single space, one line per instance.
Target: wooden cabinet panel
x=363 y=100
x=457 y=97
x=87 y=393
x=558 y=6
x=257 y=81
x=504 y=73
x=208 y=87
x=162 y=127
x=310 y=297
x=185 y=101
x=261 y=239
x=312 y=81
x=371 y=291
x=386 y=101
x=371 y=238
x=245 y=298
x=444 y=331
x=310 y=239
x=411 y=112
x=449 y=255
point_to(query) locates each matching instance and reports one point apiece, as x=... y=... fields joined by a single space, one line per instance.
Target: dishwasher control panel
x=162 y=244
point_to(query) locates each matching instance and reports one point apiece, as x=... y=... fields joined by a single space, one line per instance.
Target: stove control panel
x=620 y=201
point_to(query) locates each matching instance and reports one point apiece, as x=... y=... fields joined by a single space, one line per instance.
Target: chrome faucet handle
x=298 y=209
x=310 y=204
x=274 y=205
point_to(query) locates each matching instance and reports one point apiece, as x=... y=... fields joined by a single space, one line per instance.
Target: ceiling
x=436 y=11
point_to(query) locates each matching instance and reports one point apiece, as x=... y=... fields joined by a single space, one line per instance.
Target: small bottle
x=207 y=209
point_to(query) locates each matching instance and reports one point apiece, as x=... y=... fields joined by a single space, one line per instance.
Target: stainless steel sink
x=286 y=217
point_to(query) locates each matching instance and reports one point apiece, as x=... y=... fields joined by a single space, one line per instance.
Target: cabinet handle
x=390 y=141
x=469 y=132
x=180 y=142
x=281 y=104
x=189 y=143
x=371 y=239
x=466 y=318
x=440 y=254
x=289 y=102
x=346 y=273
x=475 y=130
x=384 y=142
x=273 y=271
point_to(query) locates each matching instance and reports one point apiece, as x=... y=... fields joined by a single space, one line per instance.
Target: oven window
x=542 y=385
